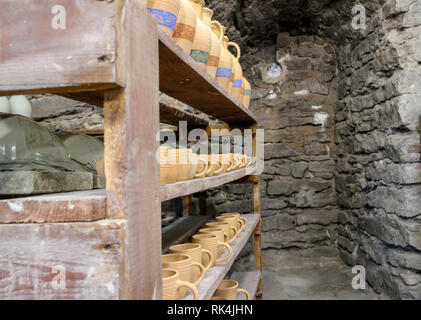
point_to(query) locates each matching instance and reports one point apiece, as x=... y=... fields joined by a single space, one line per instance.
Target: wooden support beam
x=131 y=121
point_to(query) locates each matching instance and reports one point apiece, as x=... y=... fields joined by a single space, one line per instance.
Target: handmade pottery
x=185 y=29
x=210 y=242
x=226 y=60
x=247 y=93
x=184 y=265
x=233 y=221
x=242 y=222
x=234 y=65
x=166 y=12
x=215 y=52
x=199 y=166
x=230 y=232
x=243 y=90
x=229 y=290
x=202 y=43
x=238 y=76
x=171 y=284
x=195 y=251
x=219 y=233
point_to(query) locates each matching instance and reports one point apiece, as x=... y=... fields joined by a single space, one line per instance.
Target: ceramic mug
x=195 y=251
x=242 y=222
x=184 y=265
x=171 y=284
x=210 y=242
x=219 y=233
x=229 y=290
x=230 y=232
x=233 y=222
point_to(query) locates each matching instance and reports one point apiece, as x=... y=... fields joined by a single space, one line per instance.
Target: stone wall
x=378 y=178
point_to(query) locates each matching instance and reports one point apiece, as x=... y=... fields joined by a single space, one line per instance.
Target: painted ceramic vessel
x=215 y=52
x=229 y=290
x=185 y=29
x=202 y=43
x=226 y=63
x=247 y=93
x=166 y=12
x=171 y=284
x=238 y=76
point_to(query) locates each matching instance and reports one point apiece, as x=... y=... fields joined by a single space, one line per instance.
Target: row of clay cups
x=192 y=260
x=182 y=164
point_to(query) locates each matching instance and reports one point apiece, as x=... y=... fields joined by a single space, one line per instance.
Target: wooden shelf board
x=248 y=281
x=217 y=273
x=181 y=230
x=183 y=79
x=89 y=205
x=179 y=189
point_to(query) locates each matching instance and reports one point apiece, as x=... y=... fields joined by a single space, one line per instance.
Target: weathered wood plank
x=248 y=281
x=59 y=207
x=34 y=256
x=131 y=121
x=216 y=274
x=36 y=54
x=183 y=79
x=181 y=230
x=183 y=188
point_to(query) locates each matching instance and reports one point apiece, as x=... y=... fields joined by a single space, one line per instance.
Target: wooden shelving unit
x=109 y=241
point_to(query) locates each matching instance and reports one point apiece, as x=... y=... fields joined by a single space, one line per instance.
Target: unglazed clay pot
x=247 y=93
x=238 y=76
x=171 y=284
x=185 y=29
x=215 y=52
x=230 y=232
x=195 y=251
x=219 y=233
x=202 y=43
x=242 y=222
x=210 y=242
x=166 y=12
x=184 y=265
x=233 y=222
x=229 y=290
x=226 y=63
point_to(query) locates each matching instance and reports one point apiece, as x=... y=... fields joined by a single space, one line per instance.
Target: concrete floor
x=310 y=275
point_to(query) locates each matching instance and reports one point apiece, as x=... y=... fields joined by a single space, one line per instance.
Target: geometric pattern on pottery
x=247 y=92
x=223 y=73
x=184 y=31
x=237 y=83
x=165 y=18
x=213 y=61
x=200 y=56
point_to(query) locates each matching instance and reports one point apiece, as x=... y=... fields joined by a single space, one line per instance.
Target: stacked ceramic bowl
x=186 y=264
x=191 y=26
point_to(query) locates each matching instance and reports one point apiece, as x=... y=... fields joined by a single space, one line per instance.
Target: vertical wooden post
x=131 y=120
x=258 y=230
x=188 y=205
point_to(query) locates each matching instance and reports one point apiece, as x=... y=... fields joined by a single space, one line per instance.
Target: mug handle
x=237 y=47
x=202 y=272
x=226 y=245
x=245 y=292
x=190 y=286
x=243 y=223
x=234 y=236
x=210 y=256
x=220 y=170
x=203 y=173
